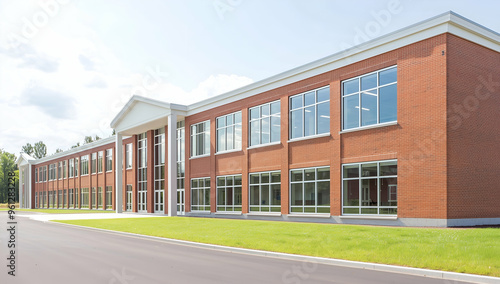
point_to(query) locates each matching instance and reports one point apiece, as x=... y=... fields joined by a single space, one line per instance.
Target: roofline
x=72 y=151
x=447 y=19
x=135 y=98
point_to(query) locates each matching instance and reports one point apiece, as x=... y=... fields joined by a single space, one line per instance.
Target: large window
x=310 y=113
x=84 y=162
x=264 y=123
x=77 y=204
x=229 y=132
x=76 y=167
x=52 y=171
x=84 y=198
x=93 y=197
x=200 y=194
x=64 y=169
x=99 y=161
x=109 y=197
x=159 y=170
x=71 y=167
x=229 y=193
x=181 y=167
x=370 y=99
x=70 y=198
x=36 y=175
x=142 y=171
x=109 y=160
x=128 y=156
x=99 y=197
x=370 y=188
x=93 y=163
x=200 y=139
x=59 y=170
x=265 y=192
x=310 y=190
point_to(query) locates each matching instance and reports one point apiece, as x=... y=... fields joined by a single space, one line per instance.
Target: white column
x=172 y=165
x=21 y=193
x=27 y=187
x=119 y=173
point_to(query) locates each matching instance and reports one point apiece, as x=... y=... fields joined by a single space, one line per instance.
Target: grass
x=5 y=206
x=473 y=251
x=59 y=211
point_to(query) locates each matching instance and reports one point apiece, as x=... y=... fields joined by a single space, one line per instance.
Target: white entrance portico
x=151 y=120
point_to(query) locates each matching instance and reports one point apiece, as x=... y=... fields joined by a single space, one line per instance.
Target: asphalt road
x=53 y=253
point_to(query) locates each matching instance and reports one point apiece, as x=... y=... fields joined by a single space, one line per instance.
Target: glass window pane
x=221 y=121
x=351 y=86
x=254 y=113
x=237 y=117
x=255 y=132
x=388 y=76
x=264 y=110
x=229 y=119
x=264 y=194
x=389 y=168
x=207 y=183
x=237 y=180
x=369 y=109
x=237 y=136
x=351 y=112
x=309 y=98
x=254 y=178
x=323 y=193
x=296 y=124
x=275 y=108
x=296 y=102
x=275 y=129
x=221 y=139
x=266 y=133
x=323 y=173
x=276 y=177
x=221 y=181
x=351 y=192
x=297 y=175
x=229 y=138
x=254 y=195
x=369 y=170
x=388 y=192
x=323 y=118
x=323 y=94
x=264 y=178
x=309 y=120
x=309 y=194
x=369 y=192
x=388 y=103
x=275 y=194
x=221 y=196
x=369 y=82
x=296 y=198
x=310 y=174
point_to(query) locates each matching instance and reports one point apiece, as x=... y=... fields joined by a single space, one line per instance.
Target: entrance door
x=129 y=200
x=365 y=193
x=141 y=201
x=180 y=202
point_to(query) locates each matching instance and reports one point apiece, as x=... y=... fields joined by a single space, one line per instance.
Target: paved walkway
x=83 y=216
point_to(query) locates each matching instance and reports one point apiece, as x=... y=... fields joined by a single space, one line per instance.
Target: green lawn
x=60 y=211
x=474 y=251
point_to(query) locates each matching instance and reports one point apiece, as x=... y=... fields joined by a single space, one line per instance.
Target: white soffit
x=448 y=22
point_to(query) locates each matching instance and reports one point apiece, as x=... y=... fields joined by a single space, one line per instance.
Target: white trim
x=391 y=123
x=200 y=156
x=228 y=213
x=369 y=217
x=309 y=137
x=272 y=214
x=264 y=145
x=227 y=152
x=310 y=215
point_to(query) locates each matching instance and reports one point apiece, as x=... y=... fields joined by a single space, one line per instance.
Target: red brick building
x=401 y=130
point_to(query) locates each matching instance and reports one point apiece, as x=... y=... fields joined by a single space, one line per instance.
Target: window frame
x=229 y=208
x=205 y=205
x=260 y=119
x=303 y=111
x=195 y=136
x=303 y=182
x=270 y=183
x=100 y=158
x=93 y=163
x=128 y=156
x=359 y=92
x=109 y=160
x=378 y=177
x=234 y=126
x=84 y=165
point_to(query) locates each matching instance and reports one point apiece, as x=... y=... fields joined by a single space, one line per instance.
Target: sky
x=67 y=67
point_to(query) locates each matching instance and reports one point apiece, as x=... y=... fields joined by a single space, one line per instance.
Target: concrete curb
x=452 y=276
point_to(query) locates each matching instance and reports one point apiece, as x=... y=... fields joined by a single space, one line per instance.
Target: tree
x=97 y=138
x=87 y=140
x=76 y=146
x=40 y=150
x=28 y=149
x=58 y=150
x=7 y=165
